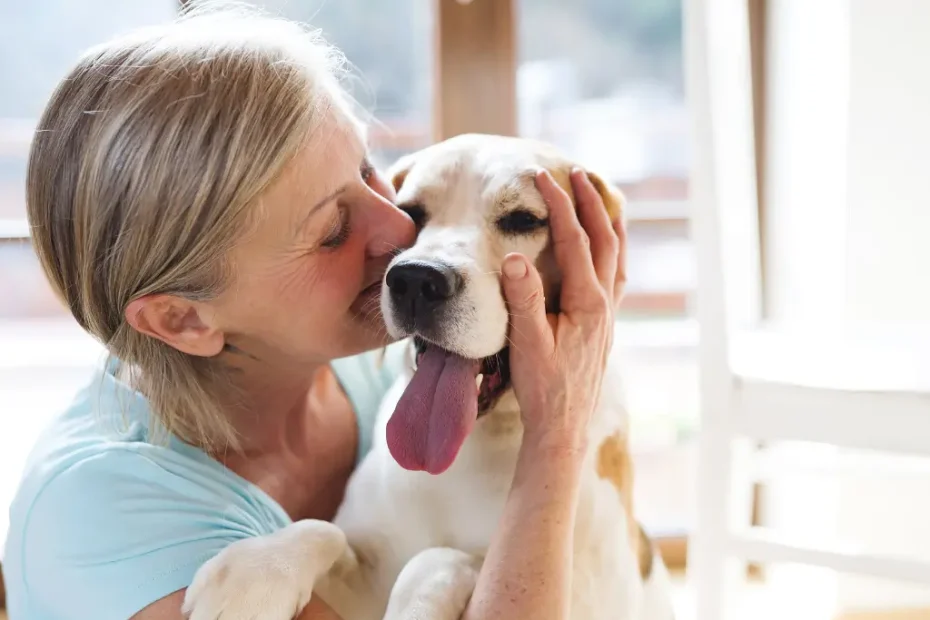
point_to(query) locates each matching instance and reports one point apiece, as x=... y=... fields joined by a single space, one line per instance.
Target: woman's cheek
x=340 y=275
x=298 y=275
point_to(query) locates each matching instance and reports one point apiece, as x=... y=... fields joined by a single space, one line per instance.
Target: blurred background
x=605 y=81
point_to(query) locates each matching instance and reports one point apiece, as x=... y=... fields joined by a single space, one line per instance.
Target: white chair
x=861 y=386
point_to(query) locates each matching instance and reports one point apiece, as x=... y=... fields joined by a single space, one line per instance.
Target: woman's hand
x=557 y=365
x=557 y=361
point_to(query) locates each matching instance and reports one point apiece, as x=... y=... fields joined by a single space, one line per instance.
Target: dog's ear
x=614 y=202
x=613 y=198
x=399 y=171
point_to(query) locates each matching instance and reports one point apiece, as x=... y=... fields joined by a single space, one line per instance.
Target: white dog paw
x=436 y=584
x=268 y=577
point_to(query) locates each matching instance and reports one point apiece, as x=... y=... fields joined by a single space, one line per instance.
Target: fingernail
x=514 y=268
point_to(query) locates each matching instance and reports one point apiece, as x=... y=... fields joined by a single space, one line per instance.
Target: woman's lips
x=374 y=287
x=366 y=302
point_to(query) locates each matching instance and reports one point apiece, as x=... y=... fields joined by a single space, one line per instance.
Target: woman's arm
x=557 y=364
x=527 y=572
x=169 y=608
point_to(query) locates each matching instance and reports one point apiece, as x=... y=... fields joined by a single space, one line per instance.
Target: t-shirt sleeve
x=396 y=358
x=119 y=530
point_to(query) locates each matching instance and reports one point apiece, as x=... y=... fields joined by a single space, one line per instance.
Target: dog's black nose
x=419 y=287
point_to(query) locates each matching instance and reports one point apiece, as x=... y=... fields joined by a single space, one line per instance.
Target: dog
x=421 y=509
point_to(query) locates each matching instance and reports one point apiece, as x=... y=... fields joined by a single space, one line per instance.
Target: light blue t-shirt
x=107 y=521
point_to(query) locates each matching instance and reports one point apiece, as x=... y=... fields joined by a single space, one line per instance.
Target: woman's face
x=305 y=281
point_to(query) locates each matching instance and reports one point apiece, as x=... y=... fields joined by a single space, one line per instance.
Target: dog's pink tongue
x=435 y=413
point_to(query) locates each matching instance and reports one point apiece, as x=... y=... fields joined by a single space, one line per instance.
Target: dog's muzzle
x=421 y=292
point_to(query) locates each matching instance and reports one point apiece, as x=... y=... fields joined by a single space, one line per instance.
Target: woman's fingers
x=592 y=213
x=530 y=331
x=580 y=287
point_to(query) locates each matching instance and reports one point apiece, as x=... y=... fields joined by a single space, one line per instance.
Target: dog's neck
x=502 y=421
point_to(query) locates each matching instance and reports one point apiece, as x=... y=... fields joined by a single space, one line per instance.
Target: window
x=388 y=45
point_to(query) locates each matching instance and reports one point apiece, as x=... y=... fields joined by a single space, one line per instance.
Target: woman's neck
x=270 y=412
x=298 y=437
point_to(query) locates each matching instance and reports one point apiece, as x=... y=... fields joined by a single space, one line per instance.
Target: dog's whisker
x=512 y=344
x=516 y=329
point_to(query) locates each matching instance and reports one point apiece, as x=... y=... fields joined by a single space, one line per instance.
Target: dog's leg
x=435 y=585
x=268 y=577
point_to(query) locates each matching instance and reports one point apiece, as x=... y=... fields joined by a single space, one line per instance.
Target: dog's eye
x=417 y=213
x=520 y=222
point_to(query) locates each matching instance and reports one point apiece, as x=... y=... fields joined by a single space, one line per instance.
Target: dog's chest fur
x=461 y=508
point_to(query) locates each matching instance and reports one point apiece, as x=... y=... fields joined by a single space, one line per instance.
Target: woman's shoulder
x=117 y=528
x=101 y=504
x=103 y=453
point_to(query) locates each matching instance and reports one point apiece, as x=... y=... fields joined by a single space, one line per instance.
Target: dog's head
x=474 y=200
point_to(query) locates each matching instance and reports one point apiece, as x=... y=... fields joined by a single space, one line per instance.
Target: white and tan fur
x=408 y=545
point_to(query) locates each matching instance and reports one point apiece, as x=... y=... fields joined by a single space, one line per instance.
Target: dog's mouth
x=493 y=379
x=441 y=403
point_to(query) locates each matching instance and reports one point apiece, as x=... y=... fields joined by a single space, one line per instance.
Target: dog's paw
x=268 y=577
x=436 y=584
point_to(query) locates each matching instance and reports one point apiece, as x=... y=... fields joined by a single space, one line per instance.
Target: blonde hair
x=144 y=170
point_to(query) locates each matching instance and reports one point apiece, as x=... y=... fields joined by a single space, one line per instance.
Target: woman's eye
x=520 y=222
x=416 y=213
x=341 y=230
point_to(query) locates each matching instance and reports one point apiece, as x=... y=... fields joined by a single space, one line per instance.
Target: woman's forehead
x=329 y=158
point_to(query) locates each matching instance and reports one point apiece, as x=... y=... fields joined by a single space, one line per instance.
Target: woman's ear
x=178 y=322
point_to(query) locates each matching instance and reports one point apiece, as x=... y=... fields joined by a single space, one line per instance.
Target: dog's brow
x=508 y=198
x=515 y=194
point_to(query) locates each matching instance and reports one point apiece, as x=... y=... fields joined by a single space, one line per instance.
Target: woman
x=201 y=198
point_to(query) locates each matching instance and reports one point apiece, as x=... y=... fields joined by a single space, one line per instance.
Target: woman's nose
x=391 y=229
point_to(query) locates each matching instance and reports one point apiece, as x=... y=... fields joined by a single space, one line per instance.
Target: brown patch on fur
x=399 y=171
x=504 y=423
x=546 y=263
x=613 y=198
x=615 y=465
x=398 y=179
x=646 y=552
